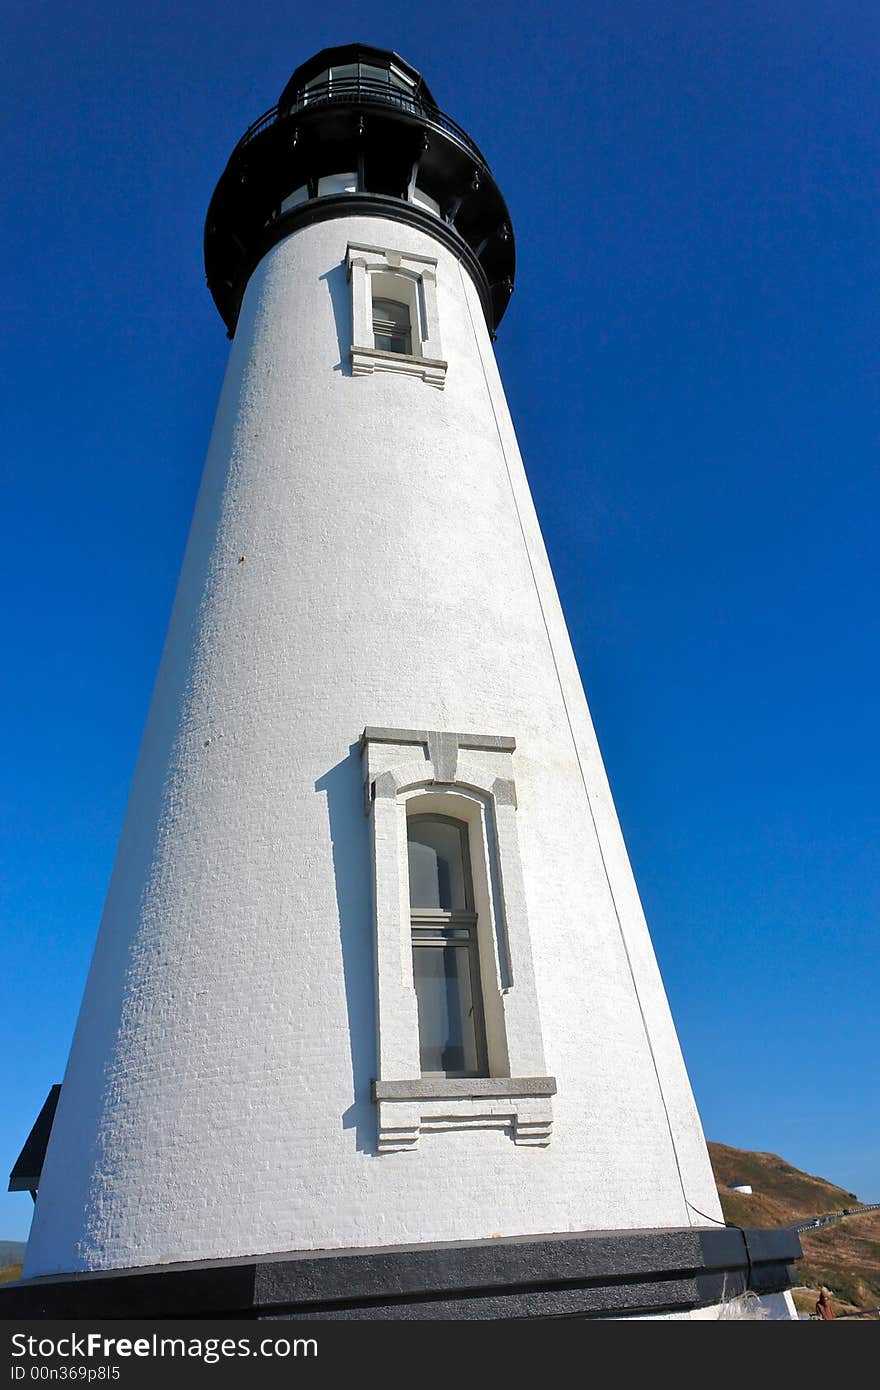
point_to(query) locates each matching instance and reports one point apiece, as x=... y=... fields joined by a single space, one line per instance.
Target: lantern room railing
x=367 y=92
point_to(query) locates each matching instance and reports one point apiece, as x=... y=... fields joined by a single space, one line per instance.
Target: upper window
x=446 y=964
x=392 y=326
x=394 y=314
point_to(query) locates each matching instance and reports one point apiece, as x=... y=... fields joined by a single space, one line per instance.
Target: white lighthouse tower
x=374 y=1026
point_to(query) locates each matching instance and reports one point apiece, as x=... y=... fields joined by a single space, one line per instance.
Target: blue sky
x=691 y=358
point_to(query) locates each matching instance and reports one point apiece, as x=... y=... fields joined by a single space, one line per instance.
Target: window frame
x=408 y=279
x=468 y=777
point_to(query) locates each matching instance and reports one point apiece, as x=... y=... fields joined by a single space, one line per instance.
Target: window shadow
x=339 y=290
x=352 y=869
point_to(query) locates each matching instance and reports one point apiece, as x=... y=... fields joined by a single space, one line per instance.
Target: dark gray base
x=591 y=1274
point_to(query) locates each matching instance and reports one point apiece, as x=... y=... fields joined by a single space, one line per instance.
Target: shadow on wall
x=337 y=284
x=352 y=869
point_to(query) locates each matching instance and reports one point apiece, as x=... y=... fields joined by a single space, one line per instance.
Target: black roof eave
x=25 y=1175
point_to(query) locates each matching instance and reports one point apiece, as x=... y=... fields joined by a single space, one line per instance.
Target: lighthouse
x=374 y=1026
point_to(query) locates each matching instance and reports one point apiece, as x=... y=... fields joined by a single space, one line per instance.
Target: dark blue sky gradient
x=691 y=358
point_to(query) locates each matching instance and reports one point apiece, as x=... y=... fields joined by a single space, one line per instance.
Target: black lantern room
x=356 y=130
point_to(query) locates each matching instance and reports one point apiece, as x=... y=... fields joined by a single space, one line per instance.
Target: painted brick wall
x=364 y=551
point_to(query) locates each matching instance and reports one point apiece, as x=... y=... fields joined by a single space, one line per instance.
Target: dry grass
x=844 y=1257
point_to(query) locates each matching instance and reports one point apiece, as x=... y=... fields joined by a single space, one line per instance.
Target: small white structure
x=743 y=1187
x=373 y=970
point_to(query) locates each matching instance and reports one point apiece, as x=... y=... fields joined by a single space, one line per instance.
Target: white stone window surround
x=410 y=279
x=470 y=778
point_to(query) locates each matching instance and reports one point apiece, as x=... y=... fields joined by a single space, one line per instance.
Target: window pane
x=345 y=72
x=391 y=326
x=337 y=183
x=436 y=864
x=370 y=74
x=391 y=312
x=403 y=89
x=391 y=342
x=447 y=1037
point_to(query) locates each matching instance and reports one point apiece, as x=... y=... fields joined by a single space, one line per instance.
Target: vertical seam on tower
x=576 y=750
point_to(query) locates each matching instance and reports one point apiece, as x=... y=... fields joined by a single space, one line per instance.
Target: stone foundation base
x=597 y=1274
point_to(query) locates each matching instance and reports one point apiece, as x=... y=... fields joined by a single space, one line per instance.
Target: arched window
x=392 y=326
x=394 y=320
x=459 y=1043
x=446 y=967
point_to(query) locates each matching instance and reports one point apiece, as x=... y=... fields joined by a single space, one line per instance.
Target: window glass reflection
x=447 y=1037
x=436 y=864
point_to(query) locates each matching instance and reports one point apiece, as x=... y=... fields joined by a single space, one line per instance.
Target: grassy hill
x=11 y=1256
x=845 y=1257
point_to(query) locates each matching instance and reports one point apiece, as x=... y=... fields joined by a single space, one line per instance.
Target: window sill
x=442 y=1087
x=518 y=1104
x=365 y=360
